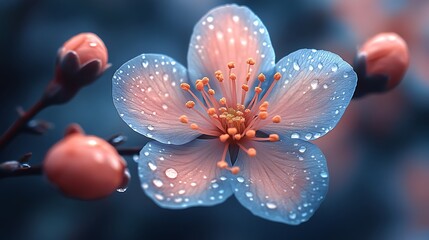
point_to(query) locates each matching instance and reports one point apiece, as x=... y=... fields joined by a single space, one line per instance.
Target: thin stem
x=20 y=124
x=31 y=171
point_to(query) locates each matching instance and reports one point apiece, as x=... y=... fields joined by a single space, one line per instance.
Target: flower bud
x=385 y=59
x=84 y=167
x=80 y=61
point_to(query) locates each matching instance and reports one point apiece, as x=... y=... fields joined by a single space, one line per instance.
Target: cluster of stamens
x=233 y=120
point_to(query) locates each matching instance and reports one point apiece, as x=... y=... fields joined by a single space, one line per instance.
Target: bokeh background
x=378 y=155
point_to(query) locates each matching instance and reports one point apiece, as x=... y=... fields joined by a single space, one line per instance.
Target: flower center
x=233 y=120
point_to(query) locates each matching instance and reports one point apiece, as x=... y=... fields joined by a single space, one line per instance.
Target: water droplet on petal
x=164 y=106
x=152 y=166
x=314 y=84
x=324 y=174
x=295 y=66
x=240 y=179
x=271 y=206
x=334 y=67
x=320 y=66
x=249 y=194
x=135 y=158
x=294 y=135
x=302 y=149
x=171 y=173
x=157 y=182
x=325 y=86
x=146 y=153
x=150 y=127
x=121 y=190
x=292 y=215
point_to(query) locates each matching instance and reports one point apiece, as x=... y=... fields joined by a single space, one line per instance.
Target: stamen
x=231 y=65
x=263 y=115
x=237 y=137
x=211 y=111
x=235 y=170
x=222 y=163
x=274 y=137
x=261 y=77
x=194 y=126
x=232 y=131
x=250 y=61
x=250 y=133
x=190 y=104
x=277 y=119
x=251 y=151
x=183 y=119
x=223 y=137
x=264 y=106
x=185 y=86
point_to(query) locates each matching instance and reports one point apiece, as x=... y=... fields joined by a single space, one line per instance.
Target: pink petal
x=225 y=34
x=285 y=182
x=184 y=176
x=312 y=95
x=148 y=97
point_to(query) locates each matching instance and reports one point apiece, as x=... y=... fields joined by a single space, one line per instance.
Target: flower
x=242 y=127
x=80 y=61
x=84 y=167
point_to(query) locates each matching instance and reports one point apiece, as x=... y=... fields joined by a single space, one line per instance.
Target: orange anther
x=199 y=85
x=222 y=164
x=185 y=86
x=276 y=119
x=263 y=115
x=237 y=136
x=218 y=72
x=222 y=101
x=205 y=80
x=264 y=106
x=232 y=131
x=250 y=133
x=211 y=91
x=183 y=119
x=211 y=111
x=231 y=65
x=232 y=77
x=258 y=89
x=274 y=137
x=235 y=170
x=277 y=76
x=251 y=152
x=190 y=104
x=194 y=126
x=245 y=87
x=223 y=137
x=261 y=77
x=250 y=61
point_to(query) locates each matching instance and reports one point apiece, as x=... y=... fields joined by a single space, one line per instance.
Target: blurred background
x=378 y=155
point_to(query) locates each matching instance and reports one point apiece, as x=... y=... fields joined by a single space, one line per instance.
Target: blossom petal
x=225 y=34
x=312 y=95
x=148 y=97
x=285 y=182
x=184 y=176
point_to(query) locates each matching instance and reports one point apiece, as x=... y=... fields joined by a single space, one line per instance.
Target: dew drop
x=249 y=194
x=121 y=190
x=325 y=86
x=171 y=173
x=181 y=191
x=164 y=106
x=324 y=174
x=209 y=19
x=308 y=136
x=271 y=206
x=295 y=66
x=345 y=75
x=146 y=153
x=152 y=166
x=302 y=149
x=235 y=18
x=337 y=112
x=334 y=67
x=145 y=186
x=294 y=135
x=145 y=64
x=215 y=185
x=159 y=197
x=193 y=184
x=292 y=215
x=320 y=66
x=135 y=158
x=165 y=77
x=240 y=179
x=314 y=84
x=157 y=182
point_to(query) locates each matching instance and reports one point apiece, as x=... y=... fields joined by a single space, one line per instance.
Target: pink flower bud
x=88 y=47
x=386 y=54
x=80 y=61
x=85 y=167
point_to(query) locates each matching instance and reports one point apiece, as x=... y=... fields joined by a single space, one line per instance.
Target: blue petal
x=315 y=89
x=184 y=176
x=148 y=97
x=229 y=33
x=285 y=182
